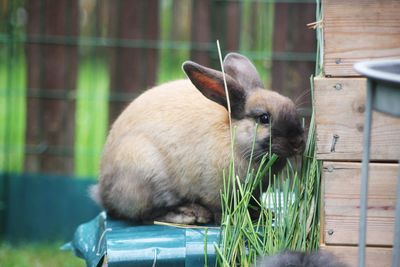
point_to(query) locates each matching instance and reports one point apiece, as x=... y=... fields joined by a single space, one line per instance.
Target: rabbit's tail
x=94 y=193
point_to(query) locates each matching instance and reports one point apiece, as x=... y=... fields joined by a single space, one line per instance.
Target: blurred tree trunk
x=291 y=34
x=201 y=31
x=212 y=22
x=52 y=69
x=134 y=68
x=232 y=26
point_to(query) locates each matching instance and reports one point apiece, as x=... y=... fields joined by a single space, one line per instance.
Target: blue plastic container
x=107 y=242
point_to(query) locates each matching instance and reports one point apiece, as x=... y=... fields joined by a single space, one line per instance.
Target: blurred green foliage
x=13 y=82
x=91 y=116
x=37 y=255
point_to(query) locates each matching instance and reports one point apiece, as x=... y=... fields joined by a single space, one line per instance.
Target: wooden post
x=51 y=77
x=134 y=68
x=356 y=31
x=291 y=34
x=201 y=30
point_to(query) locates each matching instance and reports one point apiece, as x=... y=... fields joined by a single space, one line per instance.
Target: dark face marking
x=287 y=134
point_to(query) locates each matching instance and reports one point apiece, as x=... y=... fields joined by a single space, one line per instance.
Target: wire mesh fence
x=68 y=68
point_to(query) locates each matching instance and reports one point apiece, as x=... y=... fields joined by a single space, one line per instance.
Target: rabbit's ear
x=243 y=71
x=211 y=84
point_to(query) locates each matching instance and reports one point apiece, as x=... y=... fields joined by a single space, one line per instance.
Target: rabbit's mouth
x=285 y=148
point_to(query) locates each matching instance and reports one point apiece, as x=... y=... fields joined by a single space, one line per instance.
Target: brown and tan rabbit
x=165 y=154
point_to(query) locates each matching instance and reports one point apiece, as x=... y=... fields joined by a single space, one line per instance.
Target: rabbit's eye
x=263 y=118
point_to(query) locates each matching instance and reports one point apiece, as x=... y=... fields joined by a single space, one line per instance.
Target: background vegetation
x=37 y=255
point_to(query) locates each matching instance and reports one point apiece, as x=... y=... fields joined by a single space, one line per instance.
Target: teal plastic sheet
x=119 y=243
x=43 y=207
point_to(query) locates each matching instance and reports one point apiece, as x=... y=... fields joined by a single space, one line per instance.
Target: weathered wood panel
x=290 y=35
x=359 y=30
x=51 y=72
x=133 y=68
x=381 y=257
x=340 y=108
x=341 y=187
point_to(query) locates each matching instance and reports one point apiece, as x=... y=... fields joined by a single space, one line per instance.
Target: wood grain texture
x=341 y=112
x=341 y=187
x=359 y=30
x=375 y=257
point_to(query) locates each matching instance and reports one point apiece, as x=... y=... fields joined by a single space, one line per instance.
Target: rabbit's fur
x=300 y=259
x=165 y=154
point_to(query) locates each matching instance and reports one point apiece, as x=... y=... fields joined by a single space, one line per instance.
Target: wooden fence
x=68 y=68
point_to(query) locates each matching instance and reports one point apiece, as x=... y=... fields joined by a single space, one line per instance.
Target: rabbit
x=300 y=259
x=165 y=154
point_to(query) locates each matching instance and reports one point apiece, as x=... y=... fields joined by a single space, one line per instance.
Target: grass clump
x=37 y=255
x=289 y=210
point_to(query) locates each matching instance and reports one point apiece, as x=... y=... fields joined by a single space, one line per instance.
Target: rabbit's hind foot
x=191 y=213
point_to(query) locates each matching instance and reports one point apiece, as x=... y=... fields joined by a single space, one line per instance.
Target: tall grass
x=289 y=210
x=37 y=255
x=319 y=66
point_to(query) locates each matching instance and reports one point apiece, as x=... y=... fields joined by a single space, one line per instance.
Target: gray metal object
x=383 y=94
x=384 y=76
x=364 y=178
x=396 y=247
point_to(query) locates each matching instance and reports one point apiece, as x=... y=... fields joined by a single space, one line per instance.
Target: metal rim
x=367 y=68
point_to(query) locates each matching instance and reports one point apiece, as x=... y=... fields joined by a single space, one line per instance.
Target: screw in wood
x=330 y=168
x=334 y=141
x=338 y=86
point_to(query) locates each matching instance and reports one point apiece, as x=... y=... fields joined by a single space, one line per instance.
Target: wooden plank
x=359 y=30
x=340 y=106
x=133 y=68
x=341 y=203
x=51 y=71
x=381 y=257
